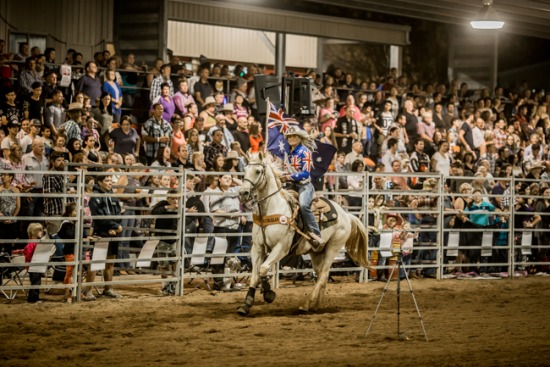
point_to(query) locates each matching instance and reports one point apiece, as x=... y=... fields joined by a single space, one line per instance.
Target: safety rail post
x=79 y=236
x=180 y=249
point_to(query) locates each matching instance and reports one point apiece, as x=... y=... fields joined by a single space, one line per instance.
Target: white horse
x=272 y=235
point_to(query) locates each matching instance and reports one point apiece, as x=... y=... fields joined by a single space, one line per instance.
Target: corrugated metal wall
x=275 y=20
x=84 y=25
x=240 y=45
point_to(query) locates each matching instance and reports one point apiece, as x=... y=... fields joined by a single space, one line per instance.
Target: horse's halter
x=258 y=184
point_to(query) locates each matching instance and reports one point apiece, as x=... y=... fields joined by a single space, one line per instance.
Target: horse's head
x=254 y=176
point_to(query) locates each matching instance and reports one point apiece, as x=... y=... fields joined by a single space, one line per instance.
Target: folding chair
x=11 y=275
x=198 y=262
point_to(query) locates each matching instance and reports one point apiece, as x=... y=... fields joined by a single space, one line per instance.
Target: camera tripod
x=398 y=265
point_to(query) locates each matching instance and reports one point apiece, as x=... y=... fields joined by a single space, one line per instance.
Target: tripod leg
x=380 y=301
x=416 y=306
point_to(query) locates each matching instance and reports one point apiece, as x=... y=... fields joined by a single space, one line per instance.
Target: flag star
x=281 y=146
x=319 y=159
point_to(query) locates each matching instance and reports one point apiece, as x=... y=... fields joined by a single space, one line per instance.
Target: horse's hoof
x=243 y=310
x=303 y=309
x=269 y=296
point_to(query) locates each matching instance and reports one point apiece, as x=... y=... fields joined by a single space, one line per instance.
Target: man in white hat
x=298 y=162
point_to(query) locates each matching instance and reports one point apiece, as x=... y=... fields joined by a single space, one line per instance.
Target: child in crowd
x=67 y=232
x=35 y=231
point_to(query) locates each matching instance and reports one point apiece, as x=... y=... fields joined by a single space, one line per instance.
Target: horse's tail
x=356 y=245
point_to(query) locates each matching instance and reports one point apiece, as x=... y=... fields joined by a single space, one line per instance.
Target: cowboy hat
x=227 y=107
x=232 y=155
x=398 y=219
x=429 y=184
x=294 y=130
x=536 y=164
x=75 y=107
x=209 y=100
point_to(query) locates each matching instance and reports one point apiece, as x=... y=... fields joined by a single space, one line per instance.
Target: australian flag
x=277 y=124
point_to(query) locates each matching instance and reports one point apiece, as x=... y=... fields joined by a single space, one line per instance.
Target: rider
x=298 y=161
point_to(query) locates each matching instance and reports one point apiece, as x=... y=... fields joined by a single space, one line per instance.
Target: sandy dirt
x=468 y=323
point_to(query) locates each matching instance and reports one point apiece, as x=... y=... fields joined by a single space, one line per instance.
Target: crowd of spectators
x=53 y=112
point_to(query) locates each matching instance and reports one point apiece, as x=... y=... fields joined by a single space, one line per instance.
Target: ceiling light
x=487 y=17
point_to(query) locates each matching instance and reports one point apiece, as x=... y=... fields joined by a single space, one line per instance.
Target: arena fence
x=508 y=247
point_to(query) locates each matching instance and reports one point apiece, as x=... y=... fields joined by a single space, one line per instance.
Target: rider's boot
x=317 y=241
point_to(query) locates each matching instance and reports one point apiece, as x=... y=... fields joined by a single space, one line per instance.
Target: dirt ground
x=468 y=323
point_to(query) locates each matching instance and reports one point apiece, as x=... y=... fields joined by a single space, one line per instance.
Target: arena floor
x=468 y=323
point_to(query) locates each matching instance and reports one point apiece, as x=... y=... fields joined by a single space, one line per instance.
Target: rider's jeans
x=305 y=192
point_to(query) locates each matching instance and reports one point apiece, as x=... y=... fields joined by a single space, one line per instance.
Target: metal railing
x=440 y=248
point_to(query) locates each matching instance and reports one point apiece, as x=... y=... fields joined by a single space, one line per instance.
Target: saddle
x=322 y=208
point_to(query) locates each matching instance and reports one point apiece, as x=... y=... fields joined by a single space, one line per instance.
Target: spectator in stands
x=182 y=158
x=71 y=127
x=346 y=130
x=26 y=141
x=111 y=87
x=355 y=184
x=183 y=97
x=241 y=134
x=256 y=138
x=157 y=84
x=106 y=205
x=36 y=160
x=390 y=155
x=9 y=110
x=166 y=101
x=23 y=52
x=411 y=121
x=33 y=105
x=194 y=144
x=25 y=128
x=178 y=137
x=221 y=125
x=328 y=115
x=125 y=138
x=11 y=138
x=355 y=154
x=202 y=88
x=28 y=77
x=54 y=114
x=9 y=207
x=441 y=160
x=90 y=84
x=74 y=146
x=191 y=116
x=156 y=133
x=426 y=130
x=208 y=113
x=154 y=71
x=54 y=183
x=465 y=135
x=219 y=163
x=90 y=149
x=163 y=157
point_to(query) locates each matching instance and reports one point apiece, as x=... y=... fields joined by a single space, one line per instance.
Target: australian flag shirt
x=299 y=164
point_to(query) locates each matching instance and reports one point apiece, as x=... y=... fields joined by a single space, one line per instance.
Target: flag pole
x=266 y=132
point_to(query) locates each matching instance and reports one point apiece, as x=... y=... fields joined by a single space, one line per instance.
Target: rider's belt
x=304 y=181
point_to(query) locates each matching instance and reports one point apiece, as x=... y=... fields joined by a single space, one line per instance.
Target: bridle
x=256 y=185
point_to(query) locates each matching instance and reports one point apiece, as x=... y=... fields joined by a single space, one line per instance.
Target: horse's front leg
x=277 y=254
x=257 y=255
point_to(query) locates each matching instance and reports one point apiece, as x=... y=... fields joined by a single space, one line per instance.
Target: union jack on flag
x=277 y=118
